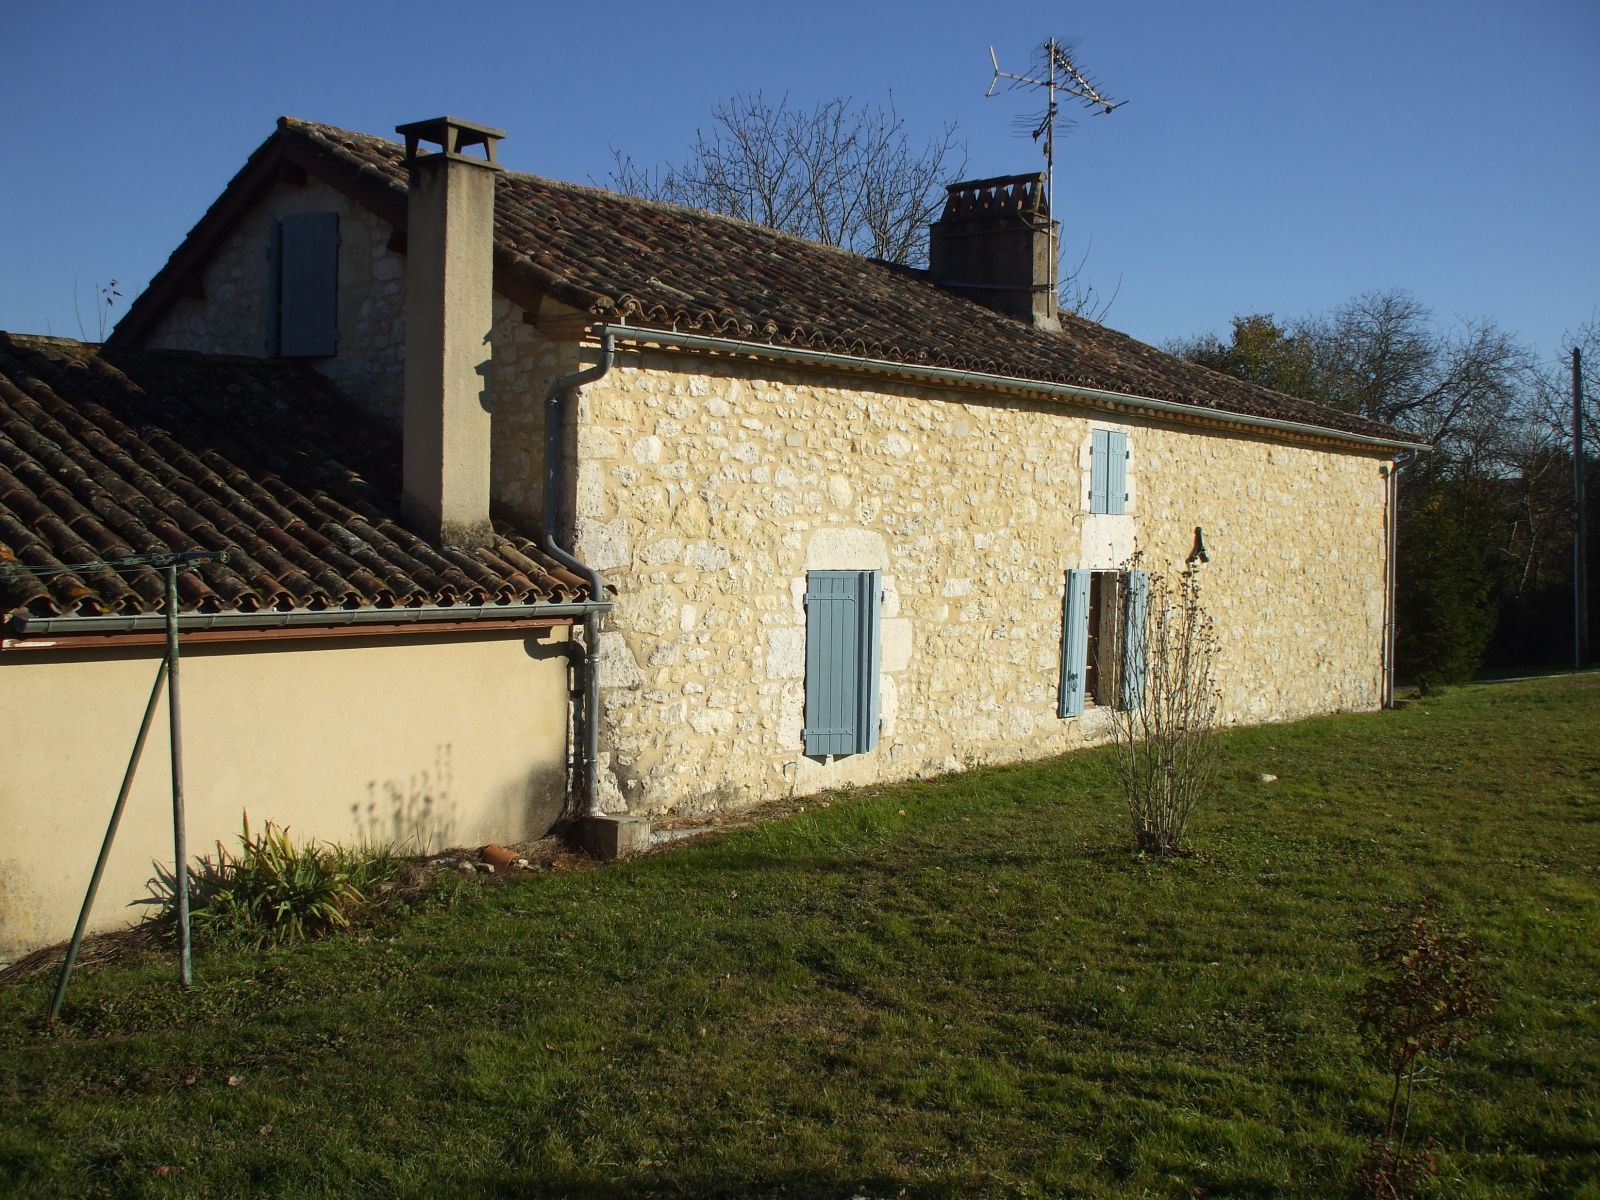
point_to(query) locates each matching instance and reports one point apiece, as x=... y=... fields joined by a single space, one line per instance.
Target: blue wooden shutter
x=1099 y=451
x=308 y=285
x=870 y=595
x=842 y=635
x=1116 y=473
x=1133 y=638
x=1074 y=644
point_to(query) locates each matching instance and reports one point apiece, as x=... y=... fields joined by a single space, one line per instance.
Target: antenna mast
x=1060 y=74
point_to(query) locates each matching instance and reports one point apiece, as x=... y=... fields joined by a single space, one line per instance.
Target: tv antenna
x=1055 y=70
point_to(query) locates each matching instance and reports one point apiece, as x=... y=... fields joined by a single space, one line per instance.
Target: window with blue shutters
x=842 y=634
x=1102 y=640
x=307 y=278
x=1133 y=639
x=1108 y=472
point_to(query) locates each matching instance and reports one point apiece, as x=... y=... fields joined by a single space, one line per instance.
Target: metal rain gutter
x=34 y=626
x=557 y=397
x=954 y=376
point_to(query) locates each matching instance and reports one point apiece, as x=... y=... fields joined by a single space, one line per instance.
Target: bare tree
x=1078 y=294
x=1381 y=355
x=1556 y=386
x=1478 y=528
x=836 y=173
x=1465 y=388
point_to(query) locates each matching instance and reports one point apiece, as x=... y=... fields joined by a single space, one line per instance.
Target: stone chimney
x=449 y=314
x=995 y=243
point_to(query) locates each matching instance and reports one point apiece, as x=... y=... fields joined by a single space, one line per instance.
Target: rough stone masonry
x=706 y=490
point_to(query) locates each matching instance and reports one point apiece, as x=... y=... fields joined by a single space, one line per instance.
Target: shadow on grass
x=922 y=857
x=792 y=1186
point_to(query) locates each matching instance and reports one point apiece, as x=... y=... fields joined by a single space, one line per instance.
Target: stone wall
x=707 y=489
x=234 y=315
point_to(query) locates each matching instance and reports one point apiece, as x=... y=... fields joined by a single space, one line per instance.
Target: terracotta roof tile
x=662 y=266
x=108 y=452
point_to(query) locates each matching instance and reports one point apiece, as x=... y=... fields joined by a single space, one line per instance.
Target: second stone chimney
x=449 y=278
x=995 y=243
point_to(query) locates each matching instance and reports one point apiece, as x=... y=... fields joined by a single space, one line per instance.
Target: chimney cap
x=1002 y=194
x=453 y=136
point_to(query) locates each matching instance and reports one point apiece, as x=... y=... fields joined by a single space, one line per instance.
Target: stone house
x=851 y=521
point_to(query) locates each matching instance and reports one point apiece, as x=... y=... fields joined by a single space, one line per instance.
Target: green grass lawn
x=967 y=987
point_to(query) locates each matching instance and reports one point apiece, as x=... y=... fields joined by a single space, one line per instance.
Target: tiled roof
x=658 y=265
x=108 y=453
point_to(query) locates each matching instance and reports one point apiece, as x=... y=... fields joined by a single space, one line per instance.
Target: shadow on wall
x=532 y=808
x=417 y=813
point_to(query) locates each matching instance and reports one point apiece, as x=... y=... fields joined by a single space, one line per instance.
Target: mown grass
x=967 y=987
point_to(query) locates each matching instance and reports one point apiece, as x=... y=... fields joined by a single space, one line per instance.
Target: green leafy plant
x=272 y=891
x=1426 y=997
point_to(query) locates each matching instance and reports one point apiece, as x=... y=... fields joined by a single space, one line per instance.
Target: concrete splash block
x=609 y=836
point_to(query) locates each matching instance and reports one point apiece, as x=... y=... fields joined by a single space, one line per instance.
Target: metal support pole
x=105 y=846
x=1580 y=555
x=180 y=849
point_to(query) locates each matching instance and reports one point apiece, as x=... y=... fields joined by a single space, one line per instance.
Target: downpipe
x=557 y=403
x=1390 y=573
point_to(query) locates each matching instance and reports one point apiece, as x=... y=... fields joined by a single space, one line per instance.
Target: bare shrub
x=1426 y=996
x=1164 y=731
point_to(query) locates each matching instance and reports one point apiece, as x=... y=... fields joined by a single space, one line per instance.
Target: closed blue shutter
x=1098 y=471
x=1116 y=473
x=1133 y=641
x=842 y=634
x=1108 y=472
x=308 y=285
x=1074 y=644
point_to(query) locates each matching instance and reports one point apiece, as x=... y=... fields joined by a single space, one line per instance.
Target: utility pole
x=1580 y=557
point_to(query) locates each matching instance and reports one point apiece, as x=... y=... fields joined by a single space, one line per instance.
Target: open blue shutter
x=1133 y=639
x=1116 y=473
x=308 y=285
x=1074 y=644
x=1099 y=451
x=842 y=633
x=871 y=611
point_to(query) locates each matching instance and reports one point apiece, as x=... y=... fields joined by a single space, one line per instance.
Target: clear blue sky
x=1275 y=156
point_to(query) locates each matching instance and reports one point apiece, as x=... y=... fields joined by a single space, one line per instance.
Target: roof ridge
x=595 y=189
x=666 y=265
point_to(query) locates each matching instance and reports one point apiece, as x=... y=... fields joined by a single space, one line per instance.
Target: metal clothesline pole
x=167 y=674
x=105 y=846
x=180 y=849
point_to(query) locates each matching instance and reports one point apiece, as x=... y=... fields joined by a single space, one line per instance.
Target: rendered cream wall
x=706 y=492
x=419 y=743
